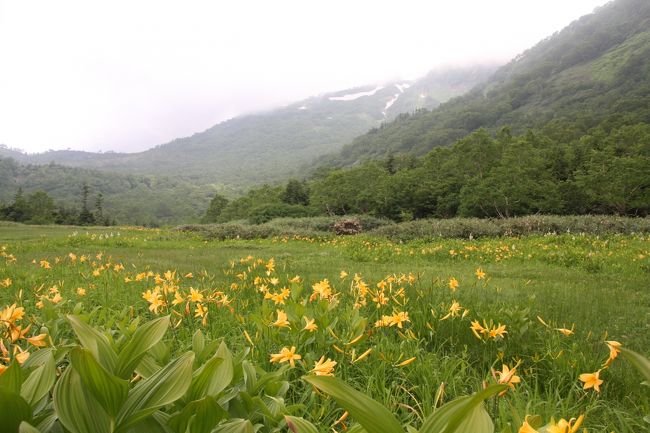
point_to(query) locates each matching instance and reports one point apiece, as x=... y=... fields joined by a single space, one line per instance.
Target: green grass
x=596 y=285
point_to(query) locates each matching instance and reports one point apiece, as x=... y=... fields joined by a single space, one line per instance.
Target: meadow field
x=251 y=331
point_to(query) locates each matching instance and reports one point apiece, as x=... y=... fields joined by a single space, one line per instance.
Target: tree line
x=548 y=170
x=40 y=208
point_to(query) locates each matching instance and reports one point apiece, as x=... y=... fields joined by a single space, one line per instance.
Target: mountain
x=595 y=72
x=273 y=145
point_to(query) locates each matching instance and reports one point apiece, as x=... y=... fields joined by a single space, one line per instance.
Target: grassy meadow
x=413 y=325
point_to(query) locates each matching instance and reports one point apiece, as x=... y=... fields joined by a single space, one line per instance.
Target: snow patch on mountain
x=402 y=87
x=391 y=101
x=353 y=96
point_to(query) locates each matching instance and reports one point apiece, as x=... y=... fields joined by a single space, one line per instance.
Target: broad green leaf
x=39 y=382
x=164 y=387
x=147 y=367
x=12 y=378
x=259 y=405
x=373 y=416
x=356 y=429
x=26 y=427
x=110 y=391
x=76 y=408
x=639 y=361
x=45 y=420
x=465 y=414
x=275 y=405
x=205 y=380
x=440 y=418
x=152 y=424
x=96 y=342
x=199 y=416
x=144 y=338
x=225 y=371
x=250 y=375
x=235 y=426
x=13 y=410
x=213 y=376
x=300 y=425
x=40 y=357
x=477 y=420
x=198 y=343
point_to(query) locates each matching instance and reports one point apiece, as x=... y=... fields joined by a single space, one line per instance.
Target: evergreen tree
x=86 y=217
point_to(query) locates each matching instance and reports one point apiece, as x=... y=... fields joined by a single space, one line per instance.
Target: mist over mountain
x=273 y=145
x=173 y=182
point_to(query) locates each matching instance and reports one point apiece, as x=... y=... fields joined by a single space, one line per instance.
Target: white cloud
x=125 y=75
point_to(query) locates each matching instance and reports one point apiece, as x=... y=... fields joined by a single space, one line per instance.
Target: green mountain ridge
x=597 y=68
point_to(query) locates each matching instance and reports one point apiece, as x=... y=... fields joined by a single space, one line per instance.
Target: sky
x=129 y=75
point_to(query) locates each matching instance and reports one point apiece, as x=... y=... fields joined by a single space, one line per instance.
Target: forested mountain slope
x=594 y=72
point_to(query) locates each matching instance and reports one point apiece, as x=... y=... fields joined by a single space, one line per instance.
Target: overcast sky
x=128 y=75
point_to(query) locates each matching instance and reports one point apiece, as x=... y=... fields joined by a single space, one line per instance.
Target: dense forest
x=128 y=199
x=40 y=208
x=606 y=171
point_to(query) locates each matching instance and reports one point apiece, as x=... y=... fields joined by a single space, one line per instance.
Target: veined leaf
x=300 y=425
x=639 y=361
x=205 y=380
x=26 y=427
x=156 y=423
x=12 y=378
x=465 y=414
x=225 y=370
x=198 y=343
x=108 y=390
x=76 y=408
x=45 y=420
x=144 y=338
x=40 y=381
x=164 y=387
x=199 y=416
x=13 y=410
x=372 y=416
x=96 y=342
x=250 y=375
x=147 y=367
x=235 y=426
x=39 y=357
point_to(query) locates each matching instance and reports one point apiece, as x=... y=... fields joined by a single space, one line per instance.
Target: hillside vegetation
x=594 y=72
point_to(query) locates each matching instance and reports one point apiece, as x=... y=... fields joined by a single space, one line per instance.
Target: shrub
x=521 y=226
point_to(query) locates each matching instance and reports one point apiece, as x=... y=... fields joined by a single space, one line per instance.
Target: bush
x=310 y=227
x=521 y=226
